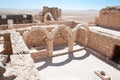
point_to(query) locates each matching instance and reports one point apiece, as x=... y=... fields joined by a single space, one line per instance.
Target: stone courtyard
x=51 y=48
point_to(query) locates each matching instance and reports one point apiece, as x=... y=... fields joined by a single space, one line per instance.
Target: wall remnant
x=109 y=17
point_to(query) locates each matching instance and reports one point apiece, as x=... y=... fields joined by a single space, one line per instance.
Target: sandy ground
x=81 y=16
x=77 y=66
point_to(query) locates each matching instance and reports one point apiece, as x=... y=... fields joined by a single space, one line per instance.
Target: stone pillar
x=59 y=13
x=50 y=47
x=7 y=44
x=10 y=23
x=70 y=44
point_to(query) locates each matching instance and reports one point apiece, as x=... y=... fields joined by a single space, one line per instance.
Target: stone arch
x=46 y=37
x=31 y=37
x=48 y=14
x=61 y=36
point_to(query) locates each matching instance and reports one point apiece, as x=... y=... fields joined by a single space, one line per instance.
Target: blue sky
x=63 y=4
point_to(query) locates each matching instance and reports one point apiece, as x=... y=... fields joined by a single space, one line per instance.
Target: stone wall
x=72 y=24
x=3 y=27
x=109 y=18
x=16 y=19
x=103 y=43
x=17 y=44
x=21 y=65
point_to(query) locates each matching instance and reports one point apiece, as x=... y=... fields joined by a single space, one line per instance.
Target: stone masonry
x=109 y=18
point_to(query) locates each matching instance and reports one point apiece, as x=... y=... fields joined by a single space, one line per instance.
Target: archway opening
x=35 y=39
x=48 y=17
x=116 y=54
x=60 y=43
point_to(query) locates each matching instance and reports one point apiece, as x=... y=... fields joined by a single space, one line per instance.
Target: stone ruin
x=15 y=19
x=51 y=13
x=24 y=43
x=109 y=18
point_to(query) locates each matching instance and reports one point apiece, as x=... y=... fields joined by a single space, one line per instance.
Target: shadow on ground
x=49 y=61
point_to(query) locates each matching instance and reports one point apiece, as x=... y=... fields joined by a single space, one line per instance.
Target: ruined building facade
x=51 y=13
x=109 y=18
x=15 y=19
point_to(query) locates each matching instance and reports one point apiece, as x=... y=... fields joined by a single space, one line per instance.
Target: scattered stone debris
x=102 y=75
x=21 y=66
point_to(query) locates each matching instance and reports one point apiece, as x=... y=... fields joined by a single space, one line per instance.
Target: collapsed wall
x=21 y=65
x=109 y=18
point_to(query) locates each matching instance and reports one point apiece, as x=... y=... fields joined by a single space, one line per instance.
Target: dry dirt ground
x=81 y=16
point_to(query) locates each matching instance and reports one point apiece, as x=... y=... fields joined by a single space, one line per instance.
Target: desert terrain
x=81 y=16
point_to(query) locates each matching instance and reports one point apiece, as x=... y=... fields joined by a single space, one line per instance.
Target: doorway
x=116 y=54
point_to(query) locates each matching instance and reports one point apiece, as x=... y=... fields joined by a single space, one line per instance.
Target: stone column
x=59 y=13
x=10 y=23
x=50 y=47
x=7 y=44
x=70 y=44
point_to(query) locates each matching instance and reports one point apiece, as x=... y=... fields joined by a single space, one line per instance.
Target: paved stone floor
x=77 y=66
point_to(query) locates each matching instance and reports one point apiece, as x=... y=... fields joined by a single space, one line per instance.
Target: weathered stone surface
x=2 y=69
x=3 y=58
x=109 y=18
x=21 y=66
x=17 y=43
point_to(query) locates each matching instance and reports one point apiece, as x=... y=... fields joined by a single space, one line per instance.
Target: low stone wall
x=17 y=43
x=72 y=24
x=99 y=41
x=22 y=68
x=3 y=27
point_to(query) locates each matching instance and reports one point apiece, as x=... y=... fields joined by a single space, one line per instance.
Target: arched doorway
x=60 y=41
x=48 y=17
x=35 y=39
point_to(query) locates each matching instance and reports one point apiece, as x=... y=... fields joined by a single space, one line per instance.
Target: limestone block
x=102 y=75
x=41 y=54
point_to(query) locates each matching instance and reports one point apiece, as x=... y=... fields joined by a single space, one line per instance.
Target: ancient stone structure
x=109 y=17
x=51 y=13
x=16 y=19
x=25 y=42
